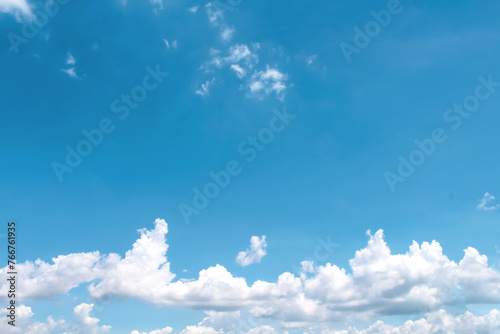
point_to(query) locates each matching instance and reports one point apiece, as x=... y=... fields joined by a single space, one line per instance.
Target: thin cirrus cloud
x=255 y=253
x=485 y=203
x=378 y=283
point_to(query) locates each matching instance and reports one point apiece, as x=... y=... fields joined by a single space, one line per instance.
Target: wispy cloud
x=227 y=33
x=169 y=45
x=71 y=66
x=265 y=82
x=204 y=90
x=485 y=203
x=19 y=8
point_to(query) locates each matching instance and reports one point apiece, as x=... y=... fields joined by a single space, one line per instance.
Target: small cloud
x=227 y=33
x=215 y=16
x=204 y=88
x=71 y=72
x=70 y=60
x=484 y=203
x=169 y=45
x=256 y=252
x=268 y=81
x=193 y=9
x=158 y=4
x=240 y=72
x=311 y=59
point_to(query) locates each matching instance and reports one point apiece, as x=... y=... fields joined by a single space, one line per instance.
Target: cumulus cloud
x=82 y=322
x=166 y=330
x=144 y=265
x=41 y=280
x=18 y=8
x=377 y=283
x=439 y=321
x=256 y=252
x=435 y=322
x=485 y=203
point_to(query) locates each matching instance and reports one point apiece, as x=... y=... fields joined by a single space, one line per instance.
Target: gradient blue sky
x=323 y=175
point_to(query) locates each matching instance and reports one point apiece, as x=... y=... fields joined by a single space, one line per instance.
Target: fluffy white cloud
x=262 y=330
x=435 y=322
x=81 y=323
x=144 y=266
x=378 y=283
x=485 y=203
x=41 y=280
x=256 y=252
x=19 y=8
x=166 y=330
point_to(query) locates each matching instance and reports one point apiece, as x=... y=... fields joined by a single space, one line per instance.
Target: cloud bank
x=377 y=283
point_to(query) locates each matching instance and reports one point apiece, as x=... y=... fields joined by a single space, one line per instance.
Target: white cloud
x=240 y=72
x=82 y=322
x=227 y=33
x=263 y=83
x=242 y=59
x=262 y=330
x=484 y=203
x=204 y=90
x=435 y=322
x=193 y=9
x=70 y=72
x=144 y=266
x=378 y=283
x=18 y=8
x=70 y=59
x=41 y=280
x=169 y=45
x=256 y=252
x=166 y=330
x=310 y=59
x=215 y=16
x=158 y=4
x=71 y=62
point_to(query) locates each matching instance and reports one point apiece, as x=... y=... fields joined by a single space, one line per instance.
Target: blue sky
x=303 y=135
